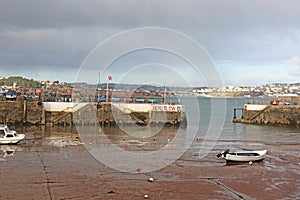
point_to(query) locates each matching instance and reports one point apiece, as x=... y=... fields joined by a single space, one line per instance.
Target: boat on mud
x=8 y=136
x=243 y=156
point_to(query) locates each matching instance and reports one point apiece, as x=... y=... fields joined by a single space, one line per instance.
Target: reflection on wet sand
x=146 y=138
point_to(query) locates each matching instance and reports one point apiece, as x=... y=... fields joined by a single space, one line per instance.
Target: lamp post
x=98 y=100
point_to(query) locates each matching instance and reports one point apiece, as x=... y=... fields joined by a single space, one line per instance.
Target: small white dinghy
x=9 y=136
x=243 y=156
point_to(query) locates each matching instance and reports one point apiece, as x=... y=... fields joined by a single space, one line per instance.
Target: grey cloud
x=125 y=14
x=61 y=33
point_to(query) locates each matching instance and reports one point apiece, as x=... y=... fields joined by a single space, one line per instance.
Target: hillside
x=20 y=81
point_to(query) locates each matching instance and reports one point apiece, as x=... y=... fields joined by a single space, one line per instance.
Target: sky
x=248 y=42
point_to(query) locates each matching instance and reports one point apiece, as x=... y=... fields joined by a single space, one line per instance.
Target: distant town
x=266 y=91
x=12 y=88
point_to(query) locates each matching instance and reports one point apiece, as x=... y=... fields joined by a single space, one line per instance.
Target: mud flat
x=57 y=166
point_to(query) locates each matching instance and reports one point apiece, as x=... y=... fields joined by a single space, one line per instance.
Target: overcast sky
x=250 y=42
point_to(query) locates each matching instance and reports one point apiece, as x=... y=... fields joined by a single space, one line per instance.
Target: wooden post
x=234 y=113
x=43 y=121
x=24 y=111
x=242 y=113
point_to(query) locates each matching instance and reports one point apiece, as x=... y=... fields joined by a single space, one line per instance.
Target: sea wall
x=69 y=113
x=271 y=115
x=127 y=114
x=20 y=112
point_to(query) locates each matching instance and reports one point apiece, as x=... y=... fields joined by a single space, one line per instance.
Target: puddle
x=8 y=150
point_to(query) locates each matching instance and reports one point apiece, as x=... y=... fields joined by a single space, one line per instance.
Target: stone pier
x=269 y=115
x=69 y=113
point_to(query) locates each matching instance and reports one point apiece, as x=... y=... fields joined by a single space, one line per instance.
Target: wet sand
x=59 y=167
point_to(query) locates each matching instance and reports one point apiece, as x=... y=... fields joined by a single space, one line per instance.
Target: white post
x=165 y=95
x=107 y=90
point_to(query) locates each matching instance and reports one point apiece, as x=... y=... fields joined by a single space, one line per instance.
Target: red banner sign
x=168 y=108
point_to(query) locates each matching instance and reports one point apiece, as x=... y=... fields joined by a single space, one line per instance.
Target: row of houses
x=55 y=92
x=268 y=90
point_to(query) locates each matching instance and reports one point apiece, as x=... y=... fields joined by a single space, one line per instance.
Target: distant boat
x=8 y=136
x=11 y=95
x=243 y=156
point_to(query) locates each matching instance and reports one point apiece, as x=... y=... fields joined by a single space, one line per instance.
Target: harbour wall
x=70 y=113
x=21 y=112
x=269 y=115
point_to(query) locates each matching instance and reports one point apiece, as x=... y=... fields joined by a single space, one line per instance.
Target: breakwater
x=268 y=115
x=70 y=113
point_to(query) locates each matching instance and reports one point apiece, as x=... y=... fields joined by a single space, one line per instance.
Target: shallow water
x=280 y=142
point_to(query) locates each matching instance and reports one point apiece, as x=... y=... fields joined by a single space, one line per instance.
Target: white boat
x=243 y=156
x=8 y=136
